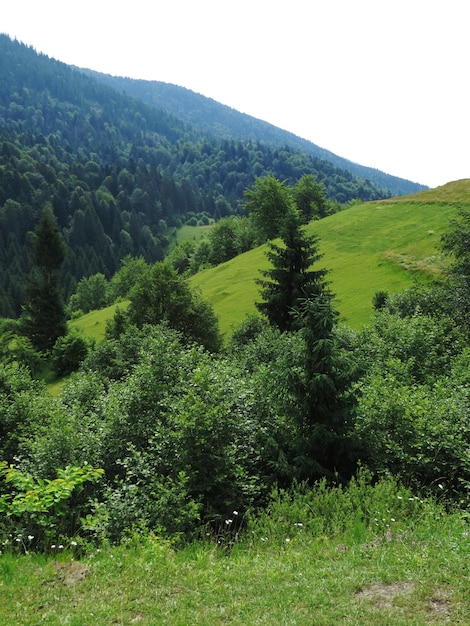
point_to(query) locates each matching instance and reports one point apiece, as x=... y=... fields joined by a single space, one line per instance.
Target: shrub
x=42 y=507
x=68 y=353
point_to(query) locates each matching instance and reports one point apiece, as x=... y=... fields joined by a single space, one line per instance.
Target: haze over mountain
x=223 y=122
x=121 y=174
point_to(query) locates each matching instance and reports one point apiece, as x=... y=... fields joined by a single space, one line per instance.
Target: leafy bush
x=42 y=507
x=24 y=406
x=144 y=500
x=418 y=432
x=162 y=295
x=68 y=353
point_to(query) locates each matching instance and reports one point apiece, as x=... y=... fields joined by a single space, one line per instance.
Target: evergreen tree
x=322 y=446
x=291 y=277
x=44 y=318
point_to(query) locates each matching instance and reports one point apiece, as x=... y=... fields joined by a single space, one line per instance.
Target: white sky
x=384 y=83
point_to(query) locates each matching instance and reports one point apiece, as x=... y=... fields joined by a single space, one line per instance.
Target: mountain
x=120 y=174
x=223 y=122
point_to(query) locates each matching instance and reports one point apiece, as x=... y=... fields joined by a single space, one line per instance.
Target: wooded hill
x=222 y=122
x=121 y=174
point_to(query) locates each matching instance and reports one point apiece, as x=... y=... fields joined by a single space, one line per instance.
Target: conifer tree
x=291 y=278
x=44 y=318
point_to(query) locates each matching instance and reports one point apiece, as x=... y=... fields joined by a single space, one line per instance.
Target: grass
x=378 y=246
x=334 y=567
x=194 y=233
x=93 y=324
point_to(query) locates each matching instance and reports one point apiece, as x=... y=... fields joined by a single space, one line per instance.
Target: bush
x=68 y=353
x=42 y=507
x=420 y=432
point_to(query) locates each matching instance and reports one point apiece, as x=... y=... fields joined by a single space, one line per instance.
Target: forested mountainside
x=223 y=122
x=119 y=174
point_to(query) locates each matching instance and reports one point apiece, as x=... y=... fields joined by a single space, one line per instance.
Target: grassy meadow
x=377 y=246
x=380 y=557
x=383 y=245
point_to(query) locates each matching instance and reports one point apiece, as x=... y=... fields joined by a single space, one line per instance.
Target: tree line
x=120 y=175
x=293 y=396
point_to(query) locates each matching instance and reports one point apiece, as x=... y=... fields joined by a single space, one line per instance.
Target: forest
x=165 y=426
x=121 y=175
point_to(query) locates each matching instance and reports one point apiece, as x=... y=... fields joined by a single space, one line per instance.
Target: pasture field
x=378 y=246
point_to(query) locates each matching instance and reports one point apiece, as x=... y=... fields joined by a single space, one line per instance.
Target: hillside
x=120 y=174
x=221 y=121
x=369 y=247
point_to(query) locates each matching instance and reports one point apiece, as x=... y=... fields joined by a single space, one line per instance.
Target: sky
x=383 y=83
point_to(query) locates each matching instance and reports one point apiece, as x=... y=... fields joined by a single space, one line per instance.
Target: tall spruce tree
x=291 y=277
x=323 y=446
x=44 y=318
x=298 y=298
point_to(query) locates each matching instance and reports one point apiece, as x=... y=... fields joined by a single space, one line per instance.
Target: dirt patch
x=440 y=606
x=384 y=595
x=387 y=597
x=72 y=573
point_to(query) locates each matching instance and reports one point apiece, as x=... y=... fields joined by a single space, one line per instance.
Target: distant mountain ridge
x=223 y=122
x=122 y=175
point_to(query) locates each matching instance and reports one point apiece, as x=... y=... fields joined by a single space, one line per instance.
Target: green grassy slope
x=369 y=247
x=93 y=324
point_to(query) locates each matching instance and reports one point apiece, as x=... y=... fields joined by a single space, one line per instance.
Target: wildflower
x=287 y=539
x=60 y=547
x=53 y=546
x=73 y=543
x=235 y=512
x=30 y=537
x=400 y=497
x=228 y=521
x=298 y=524
x=393 y=519
x=440 y=486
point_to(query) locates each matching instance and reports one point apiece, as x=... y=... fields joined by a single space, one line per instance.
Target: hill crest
x=223 y=122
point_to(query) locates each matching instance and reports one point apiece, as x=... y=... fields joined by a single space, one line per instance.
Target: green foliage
x=161 y=295
x=309 y=196
x=268 y=203
x=144 y=501
x=418 y=432
x=44 y=318
x=291 y=277
x=356 y=511
x=455 y=244
x=48 y=246
x=91 y=294
x=24 y=405
x=68 y=353
x=42 y=506
x=412 y=408
x=169 y=414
